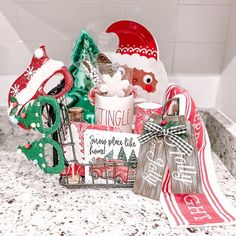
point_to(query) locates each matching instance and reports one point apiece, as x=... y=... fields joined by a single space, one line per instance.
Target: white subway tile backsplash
x=8 y=22
x=93 y=17
x=62 y=21
x=65 y=1
x=166 y=55
x=33 y=24
x=206 y=2
x=164 y=2
x=202 y=23
x=197 y=58
x=14 y=57
x=149 y=2
x=230 y=49
x=203 y=88
x=159 y=19
x=190 y=33
x=39 y=1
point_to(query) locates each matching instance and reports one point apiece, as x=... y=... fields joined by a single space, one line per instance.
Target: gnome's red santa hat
x=138 y=49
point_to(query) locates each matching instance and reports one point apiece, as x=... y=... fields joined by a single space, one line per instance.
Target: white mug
x=115 y=111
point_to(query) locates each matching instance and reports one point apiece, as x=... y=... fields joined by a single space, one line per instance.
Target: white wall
x=191 y=34
x=226 y=96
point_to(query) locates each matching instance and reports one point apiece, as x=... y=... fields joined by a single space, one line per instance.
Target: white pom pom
x=33 y=125
x=19 y=151
x=35 y=162
x=38 y=53
x=13 y=120
x=103 y=88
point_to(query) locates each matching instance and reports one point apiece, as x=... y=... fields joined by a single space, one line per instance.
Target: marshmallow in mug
x=114 y=85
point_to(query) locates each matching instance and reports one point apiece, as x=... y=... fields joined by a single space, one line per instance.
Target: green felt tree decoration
x=32 y=117
x=36 y=152
x=85 y=49
x=15 y=105
x=122 y=155
x=133 y=159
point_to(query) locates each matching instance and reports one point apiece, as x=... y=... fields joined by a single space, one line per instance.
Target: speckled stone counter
x=32 y=203
x=222 y=133
x=11 y=136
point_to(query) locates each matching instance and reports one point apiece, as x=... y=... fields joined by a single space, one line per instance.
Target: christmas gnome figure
x=30 y=84
x=138 y=51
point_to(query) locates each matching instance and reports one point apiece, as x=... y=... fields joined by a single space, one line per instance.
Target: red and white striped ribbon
x=210 y=207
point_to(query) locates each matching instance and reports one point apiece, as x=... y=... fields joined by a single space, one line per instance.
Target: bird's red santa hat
x=138 y=49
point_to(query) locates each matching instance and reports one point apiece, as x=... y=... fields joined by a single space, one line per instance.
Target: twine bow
x=152 y=130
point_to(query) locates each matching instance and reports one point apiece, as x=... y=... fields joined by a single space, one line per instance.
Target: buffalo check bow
x=152 y=130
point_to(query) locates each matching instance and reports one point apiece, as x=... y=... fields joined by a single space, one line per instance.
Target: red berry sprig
x=163 y=122
x=15 y=104
x=23 y=115
x=27 y=145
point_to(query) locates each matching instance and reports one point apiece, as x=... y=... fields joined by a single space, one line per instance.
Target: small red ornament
x=15 y=104
x=27 y=146
x=23 y=115
x=163 y=122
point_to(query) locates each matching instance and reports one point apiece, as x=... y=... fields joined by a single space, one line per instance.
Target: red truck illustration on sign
x=112 y=169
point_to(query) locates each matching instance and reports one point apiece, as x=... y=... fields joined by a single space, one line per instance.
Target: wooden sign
x=151 y=168
x=185 y=173
x=155 y=154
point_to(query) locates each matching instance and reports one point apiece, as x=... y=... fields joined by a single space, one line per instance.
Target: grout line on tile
x=204 y=43
x=204 y=4
x=175 y=38
x=226 y=39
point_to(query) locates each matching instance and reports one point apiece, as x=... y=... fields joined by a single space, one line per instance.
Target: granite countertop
x=33 y=203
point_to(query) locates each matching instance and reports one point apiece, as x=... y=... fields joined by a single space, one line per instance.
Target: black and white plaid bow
x=152 y=130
